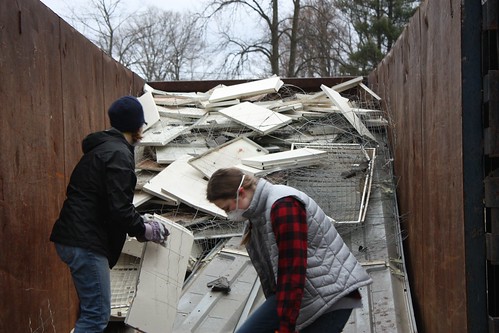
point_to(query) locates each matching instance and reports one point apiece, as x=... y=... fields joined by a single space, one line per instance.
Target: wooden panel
x=82 y=82
x=442 y=206
x=31 y=168
x=420 y=82
x=54 y=92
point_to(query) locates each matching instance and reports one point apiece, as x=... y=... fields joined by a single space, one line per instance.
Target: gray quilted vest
x=332 y=270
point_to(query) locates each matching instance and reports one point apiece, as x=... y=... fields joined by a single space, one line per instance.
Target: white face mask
x=236 y=215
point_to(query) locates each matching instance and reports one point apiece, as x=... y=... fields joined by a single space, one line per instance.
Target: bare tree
x=320 y=42
x=100 y=21
x=157 y=44
x=167 y=44
x=265 y=43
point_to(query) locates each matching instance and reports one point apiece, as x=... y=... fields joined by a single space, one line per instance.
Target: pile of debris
x=322 y=143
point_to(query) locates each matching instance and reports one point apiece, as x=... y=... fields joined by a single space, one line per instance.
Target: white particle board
x=221 y=104
x=255 y=172
x=347 y=111
x=203 y=310
x=226 y=155
x=133 y=247
x=246 y=89
x=141 y=197
x=182 y=181
x=259 y=119
x=153 y=187
x=372 y=93
x=160 y=282
x=161 y=133
x=348 y=84
x=151 y=113
x=169 y=153
x=302 y=156
x=215 y=120
x=181 y=112
x=178 y=99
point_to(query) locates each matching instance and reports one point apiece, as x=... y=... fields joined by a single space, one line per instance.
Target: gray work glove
x=156 y=231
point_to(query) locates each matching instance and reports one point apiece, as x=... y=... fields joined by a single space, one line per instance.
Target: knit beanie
x=126 y=114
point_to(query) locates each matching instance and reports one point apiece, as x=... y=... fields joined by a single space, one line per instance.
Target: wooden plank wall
x=421 y=83
x=55 y=88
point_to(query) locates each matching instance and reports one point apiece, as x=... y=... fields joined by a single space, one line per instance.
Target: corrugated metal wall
x=431 y=86
x=55 y=87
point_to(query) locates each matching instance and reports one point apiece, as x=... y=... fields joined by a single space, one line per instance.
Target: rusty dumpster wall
x=430 y=83
x=55 y=87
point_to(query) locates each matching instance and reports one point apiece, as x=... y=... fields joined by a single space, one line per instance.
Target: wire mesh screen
x=123 y=284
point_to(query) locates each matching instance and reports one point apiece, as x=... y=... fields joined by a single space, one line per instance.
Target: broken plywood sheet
x=347 y=111
x=200 y=309
x=182 y=181
x=259 y=119
x=169 y=153
x=160 y=281
x=151 y=113
x=247 y=89
x=302 y=157
x=226 y=155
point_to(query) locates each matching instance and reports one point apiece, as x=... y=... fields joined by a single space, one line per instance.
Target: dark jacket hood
x=95 y=139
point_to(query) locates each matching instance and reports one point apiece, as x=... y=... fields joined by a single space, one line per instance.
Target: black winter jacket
x=98 y=211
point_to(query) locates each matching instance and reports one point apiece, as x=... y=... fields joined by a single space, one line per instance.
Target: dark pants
x=265 y=319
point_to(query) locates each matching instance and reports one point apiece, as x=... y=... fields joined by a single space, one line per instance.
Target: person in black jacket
x=98 y=212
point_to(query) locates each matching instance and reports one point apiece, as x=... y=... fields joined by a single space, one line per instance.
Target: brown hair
x=223 y=183
x=137 y=135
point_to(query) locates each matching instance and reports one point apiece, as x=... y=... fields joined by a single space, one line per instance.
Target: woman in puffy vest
x=309 y=276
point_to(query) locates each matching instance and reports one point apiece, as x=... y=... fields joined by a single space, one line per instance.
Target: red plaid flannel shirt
x=289 y=223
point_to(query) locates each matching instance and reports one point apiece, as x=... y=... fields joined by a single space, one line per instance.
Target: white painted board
x=347 y=111
x=151 y=113
x=161 y=133
x=181 y=112
x=302 y=156
x=270 y=85
x=258 y=118
x=153 y=187
x=226 y=155
x=161 y=277
x=169 y=153
x=185 y=183
x=140 y=197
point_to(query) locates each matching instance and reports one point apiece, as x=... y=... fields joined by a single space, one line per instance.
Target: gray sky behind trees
x=165 y=40
x=61 y=7
x=209 y=66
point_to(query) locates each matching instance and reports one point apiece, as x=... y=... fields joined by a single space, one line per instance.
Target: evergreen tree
x=377 y=24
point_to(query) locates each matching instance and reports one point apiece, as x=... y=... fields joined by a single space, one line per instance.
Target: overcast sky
x=60 y=7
